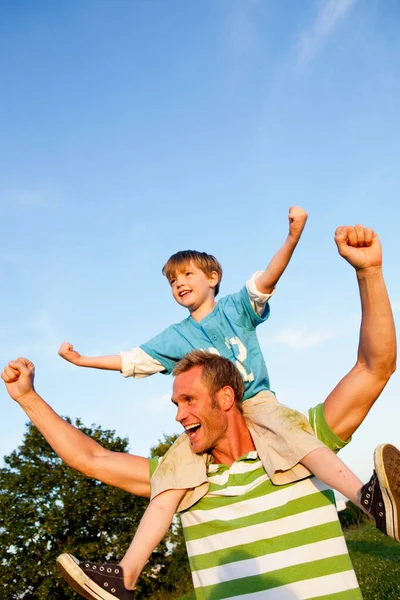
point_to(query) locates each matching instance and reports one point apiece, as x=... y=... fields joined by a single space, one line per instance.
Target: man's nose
x=180 y=414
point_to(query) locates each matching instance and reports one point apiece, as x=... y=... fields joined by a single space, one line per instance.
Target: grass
x=376 y=561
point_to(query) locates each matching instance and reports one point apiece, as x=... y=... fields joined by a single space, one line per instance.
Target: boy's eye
x=189 y=273
x=172 y=281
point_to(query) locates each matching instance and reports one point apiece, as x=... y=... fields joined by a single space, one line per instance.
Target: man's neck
x=235 y=443
x=205 y=309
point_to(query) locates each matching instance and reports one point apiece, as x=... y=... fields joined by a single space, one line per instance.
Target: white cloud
x=300 y=338
x=329 y=14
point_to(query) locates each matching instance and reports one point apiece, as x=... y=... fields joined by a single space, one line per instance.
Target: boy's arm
x=349 y=403
x=267 y=281
x=79 y=451
x=111 y=363
x=134 y=363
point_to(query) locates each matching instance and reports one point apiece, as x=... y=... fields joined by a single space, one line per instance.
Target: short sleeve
x=241 y=304
x=153 y=464
x=166 y=348
x=323 y=431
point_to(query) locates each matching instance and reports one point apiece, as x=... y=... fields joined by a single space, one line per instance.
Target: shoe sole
x=79 y=581
x=387 y=467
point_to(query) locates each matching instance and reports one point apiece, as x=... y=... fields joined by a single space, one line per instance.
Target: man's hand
x=67 y=351
x=360 y=246
x=18 y=376
x=297 y=220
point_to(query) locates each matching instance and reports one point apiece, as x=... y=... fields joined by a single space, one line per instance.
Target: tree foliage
x=163 y=445
x=352 y=516
x=47 y=508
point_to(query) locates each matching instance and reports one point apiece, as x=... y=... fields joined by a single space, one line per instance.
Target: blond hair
x=203 y=261
x=218 y=372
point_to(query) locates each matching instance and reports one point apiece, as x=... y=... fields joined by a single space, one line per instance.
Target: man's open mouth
x=191 y=430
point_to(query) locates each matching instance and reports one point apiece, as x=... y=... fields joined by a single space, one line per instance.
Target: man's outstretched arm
x=79 y=451
x=349 y=403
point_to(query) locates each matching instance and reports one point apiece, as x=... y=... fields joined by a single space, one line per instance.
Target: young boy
x=283 y=438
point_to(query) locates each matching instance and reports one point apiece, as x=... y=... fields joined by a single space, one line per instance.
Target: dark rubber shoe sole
x=387 y=467
x=69 y=568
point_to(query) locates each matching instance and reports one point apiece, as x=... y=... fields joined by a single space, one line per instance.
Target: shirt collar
x=213 y=467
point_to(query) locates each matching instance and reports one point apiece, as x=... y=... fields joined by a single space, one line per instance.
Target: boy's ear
x=213 y=279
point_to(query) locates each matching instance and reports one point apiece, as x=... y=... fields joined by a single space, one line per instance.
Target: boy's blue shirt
x=229 y=329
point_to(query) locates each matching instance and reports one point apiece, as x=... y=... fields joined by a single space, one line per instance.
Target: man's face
x=202 y=418
x=191 y=287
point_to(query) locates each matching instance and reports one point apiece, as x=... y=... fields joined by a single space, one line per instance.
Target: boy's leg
x=282 y=437
x=379 y=498
x=331 y=470
x=106 y=580
x=152 y=528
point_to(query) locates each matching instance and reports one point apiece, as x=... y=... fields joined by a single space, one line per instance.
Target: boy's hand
x=67 y=351
x=18 y=376
x=297 y=220
x=360 y=246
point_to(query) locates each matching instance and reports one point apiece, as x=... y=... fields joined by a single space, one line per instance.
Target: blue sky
x=131 y=130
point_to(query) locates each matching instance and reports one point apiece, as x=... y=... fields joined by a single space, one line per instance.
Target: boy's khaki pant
x=282 y=437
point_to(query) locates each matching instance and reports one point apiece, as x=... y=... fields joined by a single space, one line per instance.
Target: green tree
x=47 y=508
x=163 y=445
x=352 y=516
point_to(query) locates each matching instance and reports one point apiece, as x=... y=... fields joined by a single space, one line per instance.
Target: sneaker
x=381 y=496
x=94 y=580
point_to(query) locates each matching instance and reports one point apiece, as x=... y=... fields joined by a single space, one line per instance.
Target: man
x=248 y=537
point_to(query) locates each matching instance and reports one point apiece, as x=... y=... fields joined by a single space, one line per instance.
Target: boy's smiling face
x=192 y=288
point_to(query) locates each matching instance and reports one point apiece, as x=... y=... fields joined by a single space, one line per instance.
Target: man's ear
x=226 y=398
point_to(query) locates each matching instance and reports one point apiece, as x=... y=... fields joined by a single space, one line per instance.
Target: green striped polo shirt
x=248 y=538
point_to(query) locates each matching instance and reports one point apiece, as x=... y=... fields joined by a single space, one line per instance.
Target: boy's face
x=192 y=288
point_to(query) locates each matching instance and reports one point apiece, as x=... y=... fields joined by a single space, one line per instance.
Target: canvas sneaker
x=94 y=580
x=380 y=497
